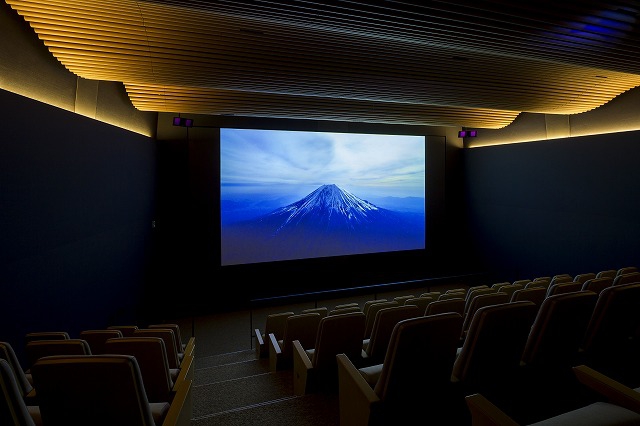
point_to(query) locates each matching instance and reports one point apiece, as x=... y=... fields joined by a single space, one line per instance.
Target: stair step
x=230 y=371
x=221 y=396
x=308 y=410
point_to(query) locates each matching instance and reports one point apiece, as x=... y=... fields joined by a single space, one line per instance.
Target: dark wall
x=557 y=206
x=77 y=200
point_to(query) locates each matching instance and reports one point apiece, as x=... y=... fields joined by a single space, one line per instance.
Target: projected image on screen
x=288 y=195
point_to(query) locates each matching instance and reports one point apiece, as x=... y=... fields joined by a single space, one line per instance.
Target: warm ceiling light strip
x=147 y=97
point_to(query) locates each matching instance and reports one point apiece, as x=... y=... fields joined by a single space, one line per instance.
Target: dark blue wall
x=76 y=203
x=557 y=206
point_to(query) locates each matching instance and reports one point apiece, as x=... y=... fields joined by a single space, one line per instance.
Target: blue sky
x=254 y=162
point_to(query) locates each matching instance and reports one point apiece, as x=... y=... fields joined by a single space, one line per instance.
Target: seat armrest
x=302 y=370
x=186 y=372
x=612 y=390
x=261 y=349
x=275 y=352
x=190 y=346
x=181 y=408
x=485 y=413
x=358 y=402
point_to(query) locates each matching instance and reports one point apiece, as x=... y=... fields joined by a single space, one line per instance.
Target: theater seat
x=23 y=379
x=275 y=324
x=301 y=327
x=103 y=390
x=97 y=338
x=375 y=348
x=413 y=381
x=315 y=369
x=37 y=349
x=617 y=405
x=151 y=354
x=13 y=409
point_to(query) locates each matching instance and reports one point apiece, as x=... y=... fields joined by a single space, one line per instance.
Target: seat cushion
x=371 y=374
x=159 y=411
x=596 y=414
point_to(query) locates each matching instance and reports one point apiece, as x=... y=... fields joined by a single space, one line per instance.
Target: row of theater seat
x=514 y=353
x=537 y=343
x=303 y=326
x=101 y=378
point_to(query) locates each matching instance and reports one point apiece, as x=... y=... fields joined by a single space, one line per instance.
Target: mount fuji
x=327 y=222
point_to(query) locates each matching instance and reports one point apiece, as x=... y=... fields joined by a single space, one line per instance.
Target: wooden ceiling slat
x=365 y=60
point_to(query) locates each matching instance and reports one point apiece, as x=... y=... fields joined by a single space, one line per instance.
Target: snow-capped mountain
x=328 y=222
x=328 y=207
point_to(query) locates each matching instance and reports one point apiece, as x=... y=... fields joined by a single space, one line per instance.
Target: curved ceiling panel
x=470 y=64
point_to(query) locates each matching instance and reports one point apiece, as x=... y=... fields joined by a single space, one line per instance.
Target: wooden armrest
x=260 y=348
x=190 y=346
x=181 y=408
x=485 y=413
x=186 y=372
x=358 y=402
x=275 y=352
x=614 y=391
x=301 y=369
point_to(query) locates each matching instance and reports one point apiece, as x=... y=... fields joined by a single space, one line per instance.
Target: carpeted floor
x=238 y=389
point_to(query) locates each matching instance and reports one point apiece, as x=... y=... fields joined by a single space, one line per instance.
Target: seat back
x=46 y=335
x=454 y=295
x=613 y=323
x=337 y=334
x=477 y=292
x=151 y=354
x=8 y=354
x=323 y=311
x=434 y=294
x=559 y=329
x=386 y=320
x=97 y=338
x=611 y=273
x=510 y=288
x=442 y=306
x=561 y=278
x=420 y=302
x=13 y=410
x=347 y=305
x=626 y=270
x=167 y=335
x=402 y=299
x=176 y=333
x=563 y=287
x=538 y=284
x=494 y=344
x=371 y=316
x=274 y=324
x=419 y=360
x=597 y=284
x=368 y=303
x=533 y=294
x=581 y=278
x=344 y=310
x=628 y=278
x=302 y=327
x=126 y=330
x=478 y=302
x=37 y=349
x=100 y=390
